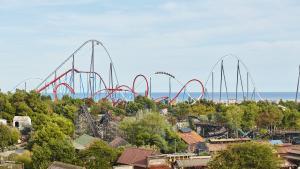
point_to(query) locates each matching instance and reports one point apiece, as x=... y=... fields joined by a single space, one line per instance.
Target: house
x=118 y=142
x=136 y=157
x=193 y=163
x=60 y=165
x=22 y=122
x=191 y=138
x=84 y=142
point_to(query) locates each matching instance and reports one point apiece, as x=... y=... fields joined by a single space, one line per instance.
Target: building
x=84 y=142
x=216 y=145
x=193 y=163
x=136 y=157
x=118 y=142
x=22 y=122
x=60 y=165
x=192 y=139
x=3 y=122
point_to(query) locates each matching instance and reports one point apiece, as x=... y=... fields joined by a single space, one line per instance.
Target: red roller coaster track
x=147 y=84
x=66 y=73
x=193 y=80
x=62 y=84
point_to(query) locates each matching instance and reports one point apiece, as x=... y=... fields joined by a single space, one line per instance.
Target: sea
x=270 y=96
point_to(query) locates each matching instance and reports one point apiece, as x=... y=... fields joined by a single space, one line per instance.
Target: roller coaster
x=248 y=92
x=68 y=79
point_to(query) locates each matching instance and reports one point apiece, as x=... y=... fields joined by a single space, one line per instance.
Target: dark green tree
x=247 y=156
x=98 y=156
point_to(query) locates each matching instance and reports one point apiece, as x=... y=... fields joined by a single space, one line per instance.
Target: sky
x=185 y=38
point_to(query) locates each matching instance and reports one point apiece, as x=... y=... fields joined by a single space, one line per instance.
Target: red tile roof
x=191 y=137
x=136 y=157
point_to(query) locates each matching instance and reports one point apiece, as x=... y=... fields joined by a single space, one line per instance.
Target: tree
x=41 y=156
x=247 y=156
x=251 y=111
x=50 y=144
x=270 y=116
x=8 y=136
x=132 y=108
x=152 y=130
x=98 y=156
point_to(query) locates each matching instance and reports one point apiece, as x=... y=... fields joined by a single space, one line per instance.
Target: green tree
x=270 y=116
x=98 y=156
x=50 y=144
x=41 y=156
x=251 y=111
x=247 y=156
x=152 y=129
x=8 y=136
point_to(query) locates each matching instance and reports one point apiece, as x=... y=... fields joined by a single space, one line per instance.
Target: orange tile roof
x=191 y=137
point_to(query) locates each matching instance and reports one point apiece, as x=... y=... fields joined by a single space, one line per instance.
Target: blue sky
x=185 y=38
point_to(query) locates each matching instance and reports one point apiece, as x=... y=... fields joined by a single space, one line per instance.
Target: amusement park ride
x=70 y=79
x=90 y=84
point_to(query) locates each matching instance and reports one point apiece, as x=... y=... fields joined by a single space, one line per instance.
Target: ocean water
x=271 y=96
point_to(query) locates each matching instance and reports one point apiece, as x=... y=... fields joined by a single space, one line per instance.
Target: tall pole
x=221 y=81
x=111 y=79
x=297 y=92
x=73 y=73
x=92 y=69
x=247 y=85
x=225 y=82
x=212 y=86
x=237 y=81
x=170 y=90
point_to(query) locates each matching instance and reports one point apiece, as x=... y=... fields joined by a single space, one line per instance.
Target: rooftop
x=60 y=165
x=229 y=140
x=118 y=142
x=136 y=156
x=191 y=137
x=22 y=118
x=84 y=141
x=196 y=162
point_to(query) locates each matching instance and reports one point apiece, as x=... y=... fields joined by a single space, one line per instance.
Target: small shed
x=22 y=122
x=61 y=165
x=3 y=122
x=84 y=142
x=118 y=142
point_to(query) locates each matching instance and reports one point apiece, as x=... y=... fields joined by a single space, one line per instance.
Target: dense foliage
x=152 y=130
x=8 y=136
x=247 y=156
x=139 y=121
